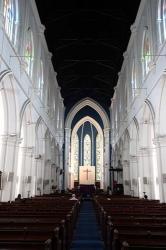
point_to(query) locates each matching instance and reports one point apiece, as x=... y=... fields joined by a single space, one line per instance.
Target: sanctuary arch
x=72 y=167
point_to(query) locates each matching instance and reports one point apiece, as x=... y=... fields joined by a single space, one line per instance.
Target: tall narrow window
x=75 y=156
x=98 y=158
x=146 y=53
x=10 y=13
x=87 y=150
x=133 y=80
x=29 y=52
x=41 y=80
x=160 y=22
x=164 y=18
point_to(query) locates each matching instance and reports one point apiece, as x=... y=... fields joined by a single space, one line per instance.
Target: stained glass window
x=41 y=80
x=75 y=156
x=29 y=52
x=87 y=150
x=98 y=158
x=133 y=81
x=10 y=13
x=146 y=53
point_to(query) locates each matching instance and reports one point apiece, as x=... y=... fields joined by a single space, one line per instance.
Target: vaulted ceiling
x=87 y=41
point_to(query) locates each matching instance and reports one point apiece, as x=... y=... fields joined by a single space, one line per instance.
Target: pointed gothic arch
x=106 y=131
x=99 y=163
x=91 y=103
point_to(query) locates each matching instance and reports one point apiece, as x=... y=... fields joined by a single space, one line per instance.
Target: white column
x=39 y=176
x=134 y=174
x=145 y=171
x=67 y=155
x=15 y=167
x=27 y=171
x=47 y=177
x=61 y=176
x=10 y=154
x=160 y=141
x=57 y=107
x=61 y=117
x=126 y=177
x=3 y=146
x=106 y=166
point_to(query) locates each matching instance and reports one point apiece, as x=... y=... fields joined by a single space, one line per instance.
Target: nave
x=100 y=222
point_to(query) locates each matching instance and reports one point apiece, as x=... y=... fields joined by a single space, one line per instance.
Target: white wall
x=143 y=115
x=29 y=108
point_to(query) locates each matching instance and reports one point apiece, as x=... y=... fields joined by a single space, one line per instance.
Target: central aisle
x=87 y=234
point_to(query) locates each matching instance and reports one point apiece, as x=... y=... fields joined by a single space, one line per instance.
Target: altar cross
x=87 y=171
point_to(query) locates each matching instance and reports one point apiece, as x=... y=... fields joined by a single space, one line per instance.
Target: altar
x=87 y=175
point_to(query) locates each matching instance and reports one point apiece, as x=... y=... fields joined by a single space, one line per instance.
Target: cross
x=87 y=171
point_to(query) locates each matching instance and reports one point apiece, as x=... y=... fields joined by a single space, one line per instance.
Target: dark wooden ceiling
x=87 y=41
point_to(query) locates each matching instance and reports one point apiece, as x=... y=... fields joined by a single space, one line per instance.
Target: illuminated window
x=41 y=80
x=161 y=21
x=75 y=146
x=146 y=53
x=133 y=81
x=98 y=158
x=87 y=150
x=29 y=52
x=164 y=17
x=10 y=13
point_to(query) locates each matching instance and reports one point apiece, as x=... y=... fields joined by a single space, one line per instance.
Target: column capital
x=133 y=28
x=68 y=129
x=133 y=157
x=125 y=55
x=160 y=139
x=41 y=29
x=106 y=129
x=58 y=88
x=62 y=99
x=49 y=55
x=113 y=99
x=120 y=72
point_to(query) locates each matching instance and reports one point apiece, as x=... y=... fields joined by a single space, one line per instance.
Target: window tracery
x=146 y=53
x=10 y=13
x=87 y=150
x=75 y=156
x=29 y=52
x=98 y=158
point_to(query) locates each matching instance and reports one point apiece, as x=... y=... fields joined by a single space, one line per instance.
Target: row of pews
x=40 y=223
x=130 y=223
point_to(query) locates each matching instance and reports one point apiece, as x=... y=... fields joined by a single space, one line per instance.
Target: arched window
x=133 y=81
x=164 y=17
x=41 y=80
x=75 y=156
x=29 y=52
x=87 y=150
x=146 y=58
x=161 y=21
x=10 y=13
x=98 y=157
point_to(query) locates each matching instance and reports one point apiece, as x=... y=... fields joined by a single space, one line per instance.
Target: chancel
x=82 y=125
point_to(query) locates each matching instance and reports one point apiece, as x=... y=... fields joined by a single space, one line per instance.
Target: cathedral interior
x=82 y=125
